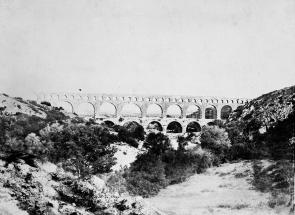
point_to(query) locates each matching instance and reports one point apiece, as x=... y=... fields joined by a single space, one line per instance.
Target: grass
x=276 y=179
x=240 y=206
x=233 y=207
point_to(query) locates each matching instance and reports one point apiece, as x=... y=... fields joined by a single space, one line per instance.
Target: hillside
x=269 y=109
x=53 y=163
x=266 y=123
x=18 y=105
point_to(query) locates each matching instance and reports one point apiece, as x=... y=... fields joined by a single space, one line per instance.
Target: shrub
x=180 y=164
x=18 y=139
x=162 y=165
x=46 y=103
x=278 y=179
x=146 y=176
x=55 y=115
x=116 y=182
x=157 y=143
x=125 y=136
x=82 y=149
x=219 y=123
x=215 y=139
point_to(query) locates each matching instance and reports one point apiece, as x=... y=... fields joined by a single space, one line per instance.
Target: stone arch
x=174 y=111
x=210 y=112
x=131 y=110
x=109 y=123
x=66 y=106
x=193 y=127
x=193 y=111
x=225 y=111
x=108 y=109
x=155 y=125
x=154 y=110
x=85 y=109
x=174 y=127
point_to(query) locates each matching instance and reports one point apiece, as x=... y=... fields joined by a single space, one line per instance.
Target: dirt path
x=220 y=190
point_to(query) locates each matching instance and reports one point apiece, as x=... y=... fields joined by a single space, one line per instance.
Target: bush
x=215 y=139
x=278 y=179
x=161 y=165
x=46 y=103
x=157 y=143
x=146 y=176
x=84 y=150
x=19 y=139
x=125 y=136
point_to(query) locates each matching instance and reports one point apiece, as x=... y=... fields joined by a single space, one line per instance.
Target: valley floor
x=220 y=190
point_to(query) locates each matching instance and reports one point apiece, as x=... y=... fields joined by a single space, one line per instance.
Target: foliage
x=157 y=143
x=217 y=122
x=278 y=179
x=45 y=103
x=216 y=140
x=162 y=165
x=82 y=149
x=146 y=176
x=125 y=136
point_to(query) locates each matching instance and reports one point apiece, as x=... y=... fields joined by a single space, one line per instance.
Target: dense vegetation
x=263 y=128
x=162 y=165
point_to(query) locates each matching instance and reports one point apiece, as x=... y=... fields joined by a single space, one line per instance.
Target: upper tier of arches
x=112 y=106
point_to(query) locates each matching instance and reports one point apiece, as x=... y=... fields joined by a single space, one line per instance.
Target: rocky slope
x=266 y=124
x=48 y=189
x=268 y=110
x=45 y=188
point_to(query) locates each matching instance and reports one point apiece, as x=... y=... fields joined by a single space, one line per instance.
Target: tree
x=215 y=139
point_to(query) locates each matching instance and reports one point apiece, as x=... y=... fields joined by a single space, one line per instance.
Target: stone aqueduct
x=190 y=113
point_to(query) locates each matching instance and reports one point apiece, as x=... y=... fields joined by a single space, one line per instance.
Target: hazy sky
x=239 y=48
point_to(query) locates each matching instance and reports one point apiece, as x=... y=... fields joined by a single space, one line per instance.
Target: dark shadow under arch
x=109 y=123
x=211 y=112
x=193 y=127
x=174 y=127
x=225 y=112
x=155 y=125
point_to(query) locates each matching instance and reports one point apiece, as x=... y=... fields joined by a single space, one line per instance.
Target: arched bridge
x=183 y=113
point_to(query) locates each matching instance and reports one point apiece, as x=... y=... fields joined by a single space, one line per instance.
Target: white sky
x=239 y=48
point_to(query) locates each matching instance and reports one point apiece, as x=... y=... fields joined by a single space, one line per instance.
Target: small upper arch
x=154 y=110
x=131 y=110
x=193 y=111
x=225 y=111
x=108 y=109
x=210 y=112
x=174 y=111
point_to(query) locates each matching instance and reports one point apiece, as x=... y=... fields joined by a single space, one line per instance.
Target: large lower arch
x=174 y=127
x=108 y=109
x=109 y=123
x=85 y=109
x=155 y=125
x=193 y=111
x=131 y=110
x=210 y=112
x=66 y=106
x=154 y=110
x=174 y=111
x=225 y=112
x=193 y=127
